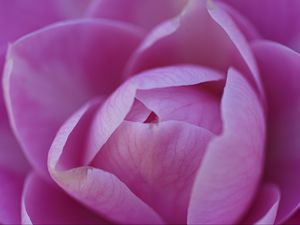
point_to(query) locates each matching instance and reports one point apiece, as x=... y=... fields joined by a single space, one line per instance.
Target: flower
x=149 y=112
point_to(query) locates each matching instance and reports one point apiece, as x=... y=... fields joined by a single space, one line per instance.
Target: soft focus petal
x=295 y=219
x=212 y=41
x=231 y=168
x=276 y=20
x=146 y=13
x=280 y=69
x=265 y=206
x=18 y=17
x=193 y=104
x=10 y=197
x=45 y=203
x=98 y=189
x=11 y=155
x=82 y=60
x=158 y=163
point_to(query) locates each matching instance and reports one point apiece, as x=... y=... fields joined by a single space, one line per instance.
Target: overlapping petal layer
x=116 y=199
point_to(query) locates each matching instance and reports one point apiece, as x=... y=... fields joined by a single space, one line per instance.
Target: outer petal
x=45 y=203
x=42 y=90
x=157 y=162
x=280 y=69
x=214 y=41
x=276 y=20
x=146 y=13
x=18 y=17
x=10 y=197
x=264 y=208
x=227 y=178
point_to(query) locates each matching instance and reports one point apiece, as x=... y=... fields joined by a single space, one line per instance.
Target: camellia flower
x=149 y=112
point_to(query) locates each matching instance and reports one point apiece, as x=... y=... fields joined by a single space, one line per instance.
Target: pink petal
x=195 y=105
x=157 y=162
x=45 y=203
x=146 y=13
x=10 y=197
x=227 y=178
x=18 y=17
x=265 y=206
x=98 y=189
x=42 y=90
x=280 y=69
x=213 y=41
x=276 y=20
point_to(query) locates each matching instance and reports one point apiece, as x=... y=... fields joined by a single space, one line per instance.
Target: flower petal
x=192 y=104
x=280 y=69
x=227 y=178
x=45 y=203
x=96 y=188
x=10 y=192
x=146 y=13
x=32 y=15
x=157 y=162
x=276 y=20
x=213 y=41
x=264 y=208
x=42 y=90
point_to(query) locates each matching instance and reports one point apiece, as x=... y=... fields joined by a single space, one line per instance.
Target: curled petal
x=227 y=178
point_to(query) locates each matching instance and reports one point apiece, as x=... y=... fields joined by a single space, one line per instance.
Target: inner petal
x=191 y=104
x=158 y=162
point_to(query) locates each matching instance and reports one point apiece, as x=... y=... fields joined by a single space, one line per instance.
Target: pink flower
x=149 y=112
